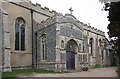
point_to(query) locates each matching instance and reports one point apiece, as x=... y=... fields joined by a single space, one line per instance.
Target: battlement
x=36 y=7
x=68 y=18
x=54 y=16
x=93 y=29
x=45 y=10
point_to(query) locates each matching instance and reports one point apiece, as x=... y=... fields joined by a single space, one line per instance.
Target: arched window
x=91 y=45
x=20 y=34
x=100 y=42
x=79 y=46
x=62 y=44
x=43 y=47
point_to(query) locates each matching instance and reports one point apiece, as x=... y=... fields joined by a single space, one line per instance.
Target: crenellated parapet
x=35 y=7
x=55 y=17
x=44 y=10
x=93 y=29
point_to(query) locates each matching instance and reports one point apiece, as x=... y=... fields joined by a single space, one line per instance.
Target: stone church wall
x=19 y=58
x=53 y=29
x=50 y=33
x=65 y=31
x=99 y=56
x=6 y=43
x=1 y=45
x=23 y=9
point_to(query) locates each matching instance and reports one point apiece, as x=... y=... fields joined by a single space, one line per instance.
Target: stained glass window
x=20 y=34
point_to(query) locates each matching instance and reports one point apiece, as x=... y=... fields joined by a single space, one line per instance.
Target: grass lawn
x=118 y=71
x=14 y=73
x=98 y=66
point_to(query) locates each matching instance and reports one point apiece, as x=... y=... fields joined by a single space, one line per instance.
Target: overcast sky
x=86 y=11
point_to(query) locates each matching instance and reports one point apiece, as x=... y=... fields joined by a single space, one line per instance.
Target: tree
x=114 y=25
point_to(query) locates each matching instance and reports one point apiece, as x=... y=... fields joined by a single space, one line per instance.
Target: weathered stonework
x=99 y=56
x=6 y=44
x=1 y=39
x=50 y=32
x=1 y=47
x=60 y=28
x=68 y=41
x=67 y=28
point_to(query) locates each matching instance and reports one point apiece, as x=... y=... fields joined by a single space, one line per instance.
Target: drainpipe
x=36 y=48
x=32 y=39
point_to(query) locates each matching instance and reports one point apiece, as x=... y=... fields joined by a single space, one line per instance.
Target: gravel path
x=99 y=72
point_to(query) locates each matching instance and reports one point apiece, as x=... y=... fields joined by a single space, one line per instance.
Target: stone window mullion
x=19 y=37
x=20 y=34
x=43 y=47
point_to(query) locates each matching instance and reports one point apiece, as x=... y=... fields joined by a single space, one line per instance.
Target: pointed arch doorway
x=71 y=50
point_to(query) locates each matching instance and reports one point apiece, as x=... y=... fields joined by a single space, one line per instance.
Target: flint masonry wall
x=50 y=32
x=40 y=15
x=1 y=40
x=54 y=28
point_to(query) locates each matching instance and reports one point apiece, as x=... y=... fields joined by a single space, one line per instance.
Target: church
x=35 y=37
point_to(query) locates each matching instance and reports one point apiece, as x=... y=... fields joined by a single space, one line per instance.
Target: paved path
x=99 y=72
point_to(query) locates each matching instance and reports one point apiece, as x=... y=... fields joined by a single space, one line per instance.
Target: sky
x=86 y=11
